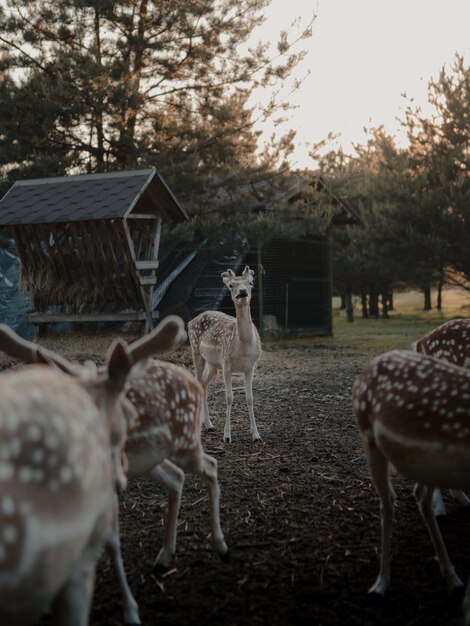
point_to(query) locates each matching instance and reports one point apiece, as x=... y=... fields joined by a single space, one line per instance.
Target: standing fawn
x=449 y=342
x=413 y=412
x=165 y=442
x=232 y=345
x=61 y=439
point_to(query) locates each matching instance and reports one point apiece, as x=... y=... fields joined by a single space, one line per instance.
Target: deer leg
x=466 y=605
x=460 y=497
x=424 y=495
x=131 y=608
x=199 y=362
x=249 y=401
x=380 y=475
x=438 y=504
x=72 y=604
x=209 y=473
x=208 y=374
x=172 y=478
x=227 y=374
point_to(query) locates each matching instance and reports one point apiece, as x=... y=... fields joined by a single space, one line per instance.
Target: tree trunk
x=439 y=294
x=385 y=315
x=349 y=305
x=390 y=301
x=364 y=305
x=374 y=303
x=342 y=306
x=427 y=298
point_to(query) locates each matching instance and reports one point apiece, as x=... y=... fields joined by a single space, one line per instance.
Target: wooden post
x=143 y=296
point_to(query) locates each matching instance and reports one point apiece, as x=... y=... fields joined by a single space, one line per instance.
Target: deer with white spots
x=449 y=342
x=165 y=442
x=413 y=412
x=61 y=459
x=229 y=344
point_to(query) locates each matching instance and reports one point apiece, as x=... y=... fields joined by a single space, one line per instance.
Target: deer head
x=240 y=286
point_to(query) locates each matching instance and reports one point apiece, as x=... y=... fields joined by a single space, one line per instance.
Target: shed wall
x=296 y=288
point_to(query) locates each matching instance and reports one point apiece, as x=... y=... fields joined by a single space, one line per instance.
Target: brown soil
x=299 y=513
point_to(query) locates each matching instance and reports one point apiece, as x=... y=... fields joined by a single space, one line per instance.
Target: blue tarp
x=14 y=303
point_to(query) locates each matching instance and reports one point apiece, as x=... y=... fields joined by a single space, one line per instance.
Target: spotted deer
x=229 y=344
x=165 y=442
x=450 y=342
x=62 y=431
x=413 y=412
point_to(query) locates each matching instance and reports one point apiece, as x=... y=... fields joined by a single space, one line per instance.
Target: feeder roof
x=89 y=197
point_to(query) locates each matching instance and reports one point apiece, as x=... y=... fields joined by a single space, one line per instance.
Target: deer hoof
x=227 y=439
x=456 y=595
x=257 y=439
x=375 y=599
x=225 y=557
x=158 y=569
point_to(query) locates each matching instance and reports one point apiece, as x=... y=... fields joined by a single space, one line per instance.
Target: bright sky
x=362 y=56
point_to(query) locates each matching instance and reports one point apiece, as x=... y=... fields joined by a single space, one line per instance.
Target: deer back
x=449 y=341
x=168 y=402
x=213 y=329
x=417 y=410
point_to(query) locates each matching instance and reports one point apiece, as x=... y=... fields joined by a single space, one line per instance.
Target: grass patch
x=368 y=337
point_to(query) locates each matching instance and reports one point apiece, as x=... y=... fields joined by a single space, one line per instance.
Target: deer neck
x=244 y=324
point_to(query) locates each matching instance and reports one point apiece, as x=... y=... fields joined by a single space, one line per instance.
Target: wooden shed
x=293 y=285
x=295 y=295
x=89 y=244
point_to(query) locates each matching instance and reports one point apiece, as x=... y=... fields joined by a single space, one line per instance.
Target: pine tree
x=104 y=85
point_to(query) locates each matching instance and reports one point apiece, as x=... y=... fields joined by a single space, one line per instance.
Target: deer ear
x=119 y=364
x=227 y=276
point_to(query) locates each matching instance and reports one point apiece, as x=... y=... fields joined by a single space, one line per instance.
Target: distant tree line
x=414 y=202
x=103 y=85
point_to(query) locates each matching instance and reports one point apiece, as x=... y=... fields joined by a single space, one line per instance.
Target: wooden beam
x=143 y=298
x=147 y=265
x=45 y=237
x=23 y=248
x=79 y=246
x=112 y=237
x=156 y=240
x=57 y=233
x=98 y=240
x=148 y=280
x=51 y=318
x=143 y=216
x=31 y=254
x=85 y=236
x=121 y=236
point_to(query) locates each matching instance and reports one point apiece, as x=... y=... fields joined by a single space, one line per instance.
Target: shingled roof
x=89 y=197
x=88 y=242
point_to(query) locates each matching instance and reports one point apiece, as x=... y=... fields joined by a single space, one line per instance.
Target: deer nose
x=243 y=293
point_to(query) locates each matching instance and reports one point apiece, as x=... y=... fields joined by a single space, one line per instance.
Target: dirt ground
x=299 y=513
